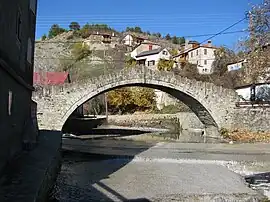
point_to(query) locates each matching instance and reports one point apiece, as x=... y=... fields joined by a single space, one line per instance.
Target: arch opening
x=196 y=106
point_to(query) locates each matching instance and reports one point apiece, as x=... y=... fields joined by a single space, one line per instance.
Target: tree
x=129 y=100
x=130 y=62
x=138 y=30
x=80 y=51
x=158 y=35
x=257 y=55
x=74 y=26
x=120 y=100
x=174 y=40
x=144 y=98
x=85 y=31
x=168 y=37
x=174 y=52
x=181 y=40
x=44 y=37
x=165 y=65
x=223 y=56
x=129 y=29
x=55 y=30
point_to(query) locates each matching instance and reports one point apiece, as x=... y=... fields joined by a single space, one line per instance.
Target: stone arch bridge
x=214 y=105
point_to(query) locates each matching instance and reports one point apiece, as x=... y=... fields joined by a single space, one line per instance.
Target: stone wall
x=254 y=119
x=162 y=121
x=214 y=105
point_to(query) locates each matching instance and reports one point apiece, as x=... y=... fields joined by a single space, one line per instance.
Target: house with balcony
x=201 y=55
x=132 y=40
x=17 y=37
x=101 y=41
x=150 y=58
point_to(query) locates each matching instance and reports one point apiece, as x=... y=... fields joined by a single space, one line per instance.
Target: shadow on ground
x=82 y=173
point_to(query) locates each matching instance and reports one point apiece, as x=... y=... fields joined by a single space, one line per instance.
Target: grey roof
x=151 y=52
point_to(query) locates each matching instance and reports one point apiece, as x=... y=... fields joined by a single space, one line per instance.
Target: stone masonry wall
x=254 y=119
x=214 y=105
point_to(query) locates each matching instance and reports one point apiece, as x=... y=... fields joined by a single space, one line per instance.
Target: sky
x=176 y=17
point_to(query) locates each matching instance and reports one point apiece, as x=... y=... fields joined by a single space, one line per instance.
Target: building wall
x=163 y=99
x=128 y=40
x=156 y=58
x=16 y=74
x=235 y=66
x=142 y=48
x=95 y=42
x=204 y=61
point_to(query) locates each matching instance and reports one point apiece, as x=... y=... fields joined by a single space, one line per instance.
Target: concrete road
x=124 y=180
x=162 y=171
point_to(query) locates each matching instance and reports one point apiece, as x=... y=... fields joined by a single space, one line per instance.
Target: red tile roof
x=50 y=78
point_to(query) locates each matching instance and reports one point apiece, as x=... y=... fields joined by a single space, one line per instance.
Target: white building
x=144 y=46
x=236 y=66
x=201 y=55
x=151 y=58
x=132 y=40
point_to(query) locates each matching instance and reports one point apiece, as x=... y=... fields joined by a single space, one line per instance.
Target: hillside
x=56 y=54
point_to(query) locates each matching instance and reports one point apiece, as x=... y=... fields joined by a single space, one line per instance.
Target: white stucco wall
x=156 y=58
x=236 y=66
x=199 y=58
x=262 y=92
x=163 y=99
x=128 y=40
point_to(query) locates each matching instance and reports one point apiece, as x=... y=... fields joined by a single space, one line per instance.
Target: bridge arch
x=212 y=104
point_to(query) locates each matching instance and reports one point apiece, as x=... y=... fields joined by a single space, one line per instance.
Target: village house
x=201 y=55
x=236 y=65
x=151 y=58
x=101 y=41
x=17 y=110
x=132 y=40
x=144 y=46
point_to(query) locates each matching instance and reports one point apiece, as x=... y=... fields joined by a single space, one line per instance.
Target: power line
x=224 y=30
x=217 y=34
x=187 y=36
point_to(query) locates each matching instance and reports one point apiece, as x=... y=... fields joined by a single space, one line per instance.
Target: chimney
x=209 y=43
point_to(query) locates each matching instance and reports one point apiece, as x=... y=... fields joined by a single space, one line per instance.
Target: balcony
x=106 y=39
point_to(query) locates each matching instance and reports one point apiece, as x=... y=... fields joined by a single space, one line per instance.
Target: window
x=197 y=52
x=205 y=62
x=191 y=55
x=29 y=51
x=205 y=51
x=164 y=53
x=151 y=63
x=19 y=26
x=33 y=6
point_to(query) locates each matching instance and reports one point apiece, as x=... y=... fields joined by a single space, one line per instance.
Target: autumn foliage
x=128 y=100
